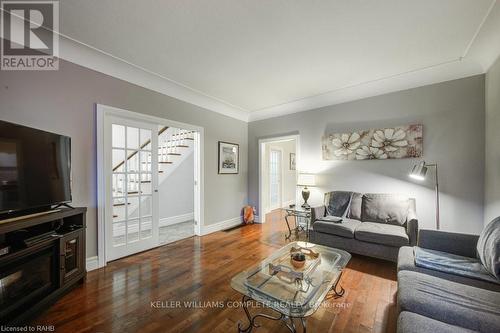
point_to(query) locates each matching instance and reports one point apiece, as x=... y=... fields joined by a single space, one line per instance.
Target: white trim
x=168 y=221
x=452 y=70
x=296 y=137
x=101 y=179
x=104 y=111
x=223 y=225
x=92 y=263
x=199 y=181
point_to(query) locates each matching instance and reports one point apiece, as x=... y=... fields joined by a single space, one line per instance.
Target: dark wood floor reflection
x=123 y=297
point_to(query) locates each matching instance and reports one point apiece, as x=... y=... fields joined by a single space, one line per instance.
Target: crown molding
x=89 y=57
x=100 y=61
x=448 y=71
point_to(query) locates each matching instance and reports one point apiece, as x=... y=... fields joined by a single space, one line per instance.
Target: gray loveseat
x=456 y=289
x=375 y=225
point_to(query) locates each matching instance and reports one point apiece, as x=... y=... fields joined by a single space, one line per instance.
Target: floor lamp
x=419 y=172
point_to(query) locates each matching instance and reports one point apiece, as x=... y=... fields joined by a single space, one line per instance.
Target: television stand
x=42 y=263
x=64 y=204
x=28 y=216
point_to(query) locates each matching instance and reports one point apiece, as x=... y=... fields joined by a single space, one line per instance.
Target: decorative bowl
x=298 y=259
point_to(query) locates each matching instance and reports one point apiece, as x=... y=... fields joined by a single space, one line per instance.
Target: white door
x=131 y=168
x=274 y=178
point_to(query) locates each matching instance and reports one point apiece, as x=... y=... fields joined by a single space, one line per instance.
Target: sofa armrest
x=450 y=242
x=317 y=212
x=412 y=231
x=412 y=223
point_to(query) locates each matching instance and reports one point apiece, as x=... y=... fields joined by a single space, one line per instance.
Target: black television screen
x=35 y=168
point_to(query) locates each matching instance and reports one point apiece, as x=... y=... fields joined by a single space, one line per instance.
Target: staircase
x=174 y=146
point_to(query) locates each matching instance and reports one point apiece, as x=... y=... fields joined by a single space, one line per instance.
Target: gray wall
x=492 y=161
x=176 y=193
x=63 y=102
x=453 y=117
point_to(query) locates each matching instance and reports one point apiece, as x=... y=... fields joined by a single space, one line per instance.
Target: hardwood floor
x=139 y=293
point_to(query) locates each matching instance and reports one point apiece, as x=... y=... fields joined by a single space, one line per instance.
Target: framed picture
x=229 y=158
x=292 y=161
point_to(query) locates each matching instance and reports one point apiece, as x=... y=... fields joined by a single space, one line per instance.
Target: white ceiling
x=266 y=58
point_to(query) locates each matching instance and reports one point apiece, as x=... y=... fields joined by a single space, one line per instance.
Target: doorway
x=176 y=183
x=149 y=182
x=277 y=173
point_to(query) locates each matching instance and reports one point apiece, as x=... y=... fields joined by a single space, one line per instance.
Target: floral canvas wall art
x=374 y=144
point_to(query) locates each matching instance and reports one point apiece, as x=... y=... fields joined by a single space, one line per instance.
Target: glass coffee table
x=294 y=293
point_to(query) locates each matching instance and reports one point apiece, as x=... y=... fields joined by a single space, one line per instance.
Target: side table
x=302 y=220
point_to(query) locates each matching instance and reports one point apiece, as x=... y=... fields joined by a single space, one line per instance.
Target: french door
x=131 y=169
x=275 y=167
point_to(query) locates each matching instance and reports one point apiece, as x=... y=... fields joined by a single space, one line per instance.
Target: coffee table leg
x=252 y=323
x=250 y=320
x=341 y=292
x=303 y=321
x=288 y=225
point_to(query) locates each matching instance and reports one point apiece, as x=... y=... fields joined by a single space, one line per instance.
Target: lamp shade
x=419 y=171
x=306 y=180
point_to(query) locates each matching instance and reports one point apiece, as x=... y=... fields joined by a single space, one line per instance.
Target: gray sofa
x=437 y=299
x=375 y=225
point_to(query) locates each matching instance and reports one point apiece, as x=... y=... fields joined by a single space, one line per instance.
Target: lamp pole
x=437 y=192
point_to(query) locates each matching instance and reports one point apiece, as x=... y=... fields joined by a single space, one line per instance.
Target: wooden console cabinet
x=36 y=273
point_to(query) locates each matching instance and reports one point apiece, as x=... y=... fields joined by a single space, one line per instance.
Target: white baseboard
x=167 y=221
x=92 y=263
x=208 y=229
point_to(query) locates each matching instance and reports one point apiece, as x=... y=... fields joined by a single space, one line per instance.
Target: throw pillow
x=355 y=206
x=385 y=208
x=488 y=247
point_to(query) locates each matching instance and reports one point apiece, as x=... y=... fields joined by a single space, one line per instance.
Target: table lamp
x=306 y=180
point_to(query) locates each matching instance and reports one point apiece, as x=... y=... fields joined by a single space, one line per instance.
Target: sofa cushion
x=452 y=264
x=385 y=208
x=449 y=302
x=355 y=206
x=386 y=234
x=406 y=262
x=488 y=247
x=344 y=229
x=409 y=322
x=337 y=202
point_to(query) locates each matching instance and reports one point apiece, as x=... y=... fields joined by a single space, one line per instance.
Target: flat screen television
x=35 y=169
